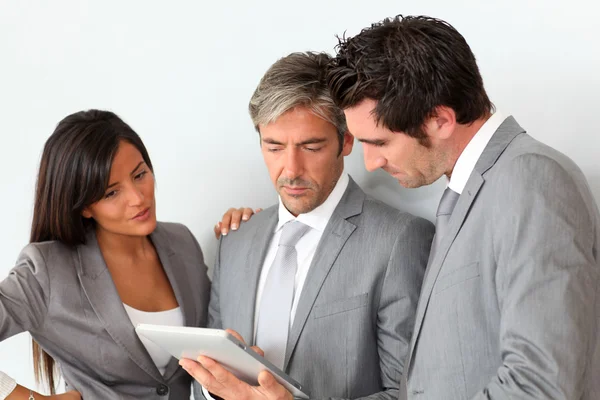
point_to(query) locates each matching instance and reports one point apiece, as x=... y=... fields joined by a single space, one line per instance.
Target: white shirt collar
x=470 y=155
x=319 y=217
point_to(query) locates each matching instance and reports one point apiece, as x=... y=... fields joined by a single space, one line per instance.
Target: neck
x=461 y=137
x=123 y=246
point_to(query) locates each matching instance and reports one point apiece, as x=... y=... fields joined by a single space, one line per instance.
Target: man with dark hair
x=510 y=302
x=327 y=281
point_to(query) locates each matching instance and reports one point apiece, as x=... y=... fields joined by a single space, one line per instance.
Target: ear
x=443 y=124
x=86 y=213
x=348 y=144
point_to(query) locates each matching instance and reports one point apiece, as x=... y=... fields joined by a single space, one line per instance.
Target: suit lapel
x=496 y=146
x=249 y=274
x=102 y=294
x=180 y=284
x=336 y=233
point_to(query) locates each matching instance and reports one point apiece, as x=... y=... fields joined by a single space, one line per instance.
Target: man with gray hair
x=327 y=281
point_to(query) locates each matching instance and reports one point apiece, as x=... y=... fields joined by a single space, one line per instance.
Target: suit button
x=162 y=390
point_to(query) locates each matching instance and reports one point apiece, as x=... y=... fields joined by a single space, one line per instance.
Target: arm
x=398 y=302
x=547 y=280
x=214 y=317
x=22 y=393
x=24 y=295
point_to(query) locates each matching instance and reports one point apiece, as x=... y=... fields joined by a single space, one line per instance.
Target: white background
x=181 y=74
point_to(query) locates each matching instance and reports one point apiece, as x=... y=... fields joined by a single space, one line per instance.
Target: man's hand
x=232 y=220
x=218 y=381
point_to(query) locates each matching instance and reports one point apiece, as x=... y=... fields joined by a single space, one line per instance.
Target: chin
x=146 y=228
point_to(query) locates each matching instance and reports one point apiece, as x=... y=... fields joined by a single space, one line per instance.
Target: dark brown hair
x=74 y=173
x=409 y=65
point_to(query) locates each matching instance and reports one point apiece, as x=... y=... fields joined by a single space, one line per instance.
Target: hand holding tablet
x=220 y=346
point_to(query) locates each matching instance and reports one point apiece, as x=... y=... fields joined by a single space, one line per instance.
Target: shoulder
x=173 y=230
x=177 y=237
x=384 y=218
x=527 y=160
x=41 y=253
x=247 y=229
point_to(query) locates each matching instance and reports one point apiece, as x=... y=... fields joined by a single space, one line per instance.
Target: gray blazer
x=510 y=306
x=65 y=297
x=356 y=311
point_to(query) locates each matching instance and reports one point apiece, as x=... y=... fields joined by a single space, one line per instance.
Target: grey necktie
x=277 y=297
x=442 y=217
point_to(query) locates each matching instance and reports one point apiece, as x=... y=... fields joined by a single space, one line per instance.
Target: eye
x=110 y=194
x=313 y=149
x=140 y=175
x=273 y=149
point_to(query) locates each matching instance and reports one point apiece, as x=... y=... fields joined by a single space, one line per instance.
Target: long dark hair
x=74 y=173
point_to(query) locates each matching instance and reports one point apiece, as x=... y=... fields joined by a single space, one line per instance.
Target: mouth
x=295 y=191
x=142 y=215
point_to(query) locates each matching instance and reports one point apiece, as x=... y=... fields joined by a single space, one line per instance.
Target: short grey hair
x=297 y=80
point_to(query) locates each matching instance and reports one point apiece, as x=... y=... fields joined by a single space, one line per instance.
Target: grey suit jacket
x=510 y=305
x=65 y=297
x=356 y=311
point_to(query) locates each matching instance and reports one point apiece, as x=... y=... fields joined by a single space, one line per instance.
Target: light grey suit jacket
x=65 y=297
x=352 y=327
x=510 y=306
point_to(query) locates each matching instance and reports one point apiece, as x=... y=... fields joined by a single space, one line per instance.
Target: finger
x=199 y=373
x=236 y=219
x=217 y=230
x=226 y=221
x=258 y=350
x=247 y=213
x=220 y=374
x=258 y=210
x=235 y=335
x=271 y=388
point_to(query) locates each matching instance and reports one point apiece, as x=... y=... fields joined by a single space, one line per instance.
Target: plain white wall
x=181 y=73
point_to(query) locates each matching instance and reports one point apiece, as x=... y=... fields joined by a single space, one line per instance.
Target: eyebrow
x=303 y=143
x=375 y=142
x=132 y=172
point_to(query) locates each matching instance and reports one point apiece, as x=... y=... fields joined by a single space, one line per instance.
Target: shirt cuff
x=206 y=394
x=7 y=385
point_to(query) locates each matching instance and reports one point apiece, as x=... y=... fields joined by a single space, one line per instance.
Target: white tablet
x=236 y=357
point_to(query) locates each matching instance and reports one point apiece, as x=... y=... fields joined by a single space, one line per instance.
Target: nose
x=373 y=159
x=135 y=197
x=294 y=163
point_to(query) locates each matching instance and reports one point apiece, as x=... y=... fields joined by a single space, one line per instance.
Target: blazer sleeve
x=24 y=294
x=547 y=280
x=398 y=302
x=214 y=307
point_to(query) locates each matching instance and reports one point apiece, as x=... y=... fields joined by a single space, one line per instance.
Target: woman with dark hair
x=97 y=264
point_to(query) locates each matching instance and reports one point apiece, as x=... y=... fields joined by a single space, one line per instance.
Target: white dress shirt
x=7 y=385
x=317 y=220
x=306 y=247
x=172 y=317
x=470 y=155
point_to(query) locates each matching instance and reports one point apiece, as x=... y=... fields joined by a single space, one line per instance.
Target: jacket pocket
x=456 y=277
x=340 y=306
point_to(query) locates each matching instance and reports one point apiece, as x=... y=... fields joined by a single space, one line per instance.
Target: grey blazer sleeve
x=398 y=303
x=24 y=294
x=214 y=308
x=547 y=278
x=214 y=313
